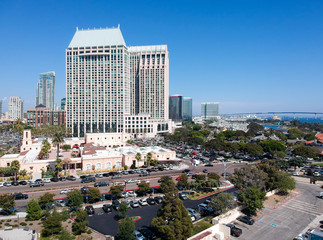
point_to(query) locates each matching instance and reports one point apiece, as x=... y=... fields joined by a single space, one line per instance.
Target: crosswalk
x=303 y=207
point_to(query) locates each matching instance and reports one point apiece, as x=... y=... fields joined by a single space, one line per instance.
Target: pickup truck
x=36 y=184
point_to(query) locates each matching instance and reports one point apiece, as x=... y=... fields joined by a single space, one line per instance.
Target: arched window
x=88 y=167
x=98 y=166
x=108 y=165
x=118 y=165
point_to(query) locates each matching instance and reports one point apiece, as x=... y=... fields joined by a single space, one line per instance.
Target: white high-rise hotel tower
x=114 y=88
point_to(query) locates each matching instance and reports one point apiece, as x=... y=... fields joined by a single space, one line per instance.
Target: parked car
x=46 y=180
x=19 y=196
x=143 y=202
x=54 y=179
x=138 y=235
x=127 y=203
x=151 y=201
x=144 y=174
x=107 y=208
x=110 y=196
x=158 y=199
x=90 y=210
x=134 y=204
x=15 y=183
x=234 y=231
x=194 y=213
x=116 y=176
x=84 y=190
x=61 y=203
x=183 y=196
x=99 y=175
x=226 y=174
x=204 y=209
x=131 y=194
x=101 y=184
x=116 y=204
x=7 y=184
x=180 y=188
x=23 y=182
x=65 y=191
x=208 y=165
x=1 y=184
x=71 y=178
x=246 y=219
x=205 y=171
x=150 y=235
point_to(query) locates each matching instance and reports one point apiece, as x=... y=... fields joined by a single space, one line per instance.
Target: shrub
x=23 y=224
x=89 y=231
x=30 y=224
x=9 y=220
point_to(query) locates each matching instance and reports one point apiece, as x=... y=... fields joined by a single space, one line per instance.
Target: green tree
x=143 y=186
x=46 y=199
x=304 y=151
x=295 y=162
x=173 y=221
x=7 y=201
x=255 y=128
x=248 y=176
x=75 y=198
x=123 y=209
x=253 y=149
x=138 y=157
x=65 y=235
x=294 y=133
x=58 y=139
x=213 y=176
x=52 y=225
x=222 y=202
x=149 y=158
x=94 y=193
x=15 y=166
x=117 y=190
x=126 y=229
x=253 y=199
x=272 y=146
x=66 y=147
x=285 y=183
x=80 y=224
x=309 y=136
x=183 y=180
x=272 y=175
x=58 y=166
x=34 y=211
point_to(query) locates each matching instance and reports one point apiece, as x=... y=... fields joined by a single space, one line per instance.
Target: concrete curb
x=286 y=201
x=214 y=193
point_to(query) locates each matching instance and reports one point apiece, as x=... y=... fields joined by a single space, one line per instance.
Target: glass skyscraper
x=46 y=90
x=209 y=110
x=187 y=109
x=176 y=108
x=15 y=108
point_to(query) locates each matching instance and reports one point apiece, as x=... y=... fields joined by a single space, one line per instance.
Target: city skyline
x=263 y=57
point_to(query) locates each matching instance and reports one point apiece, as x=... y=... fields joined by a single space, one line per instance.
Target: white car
x=99 y=175
x=46 y=180
x=131 y=181
x=1 y=184
x=65 y=191
x=61 y=203
x=143 y=202
x=131 y=194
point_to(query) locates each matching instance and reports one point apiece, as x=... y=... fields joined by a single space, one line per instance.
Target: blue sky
x=248 y=55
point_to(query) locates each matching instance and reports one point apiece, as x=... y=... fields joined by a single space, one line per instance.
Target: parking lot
x=287 y=221
x=106 y=223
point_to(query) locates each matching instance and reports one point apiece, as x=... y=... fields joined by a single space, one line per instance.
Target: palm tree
x=138 y=157
x=149 y=158
x=15 y=165
x=58 y=166
x=66 y=161
x=57 y=140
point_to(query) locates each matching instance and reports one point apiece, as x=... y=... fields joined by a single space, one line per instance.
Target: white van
x=1 y=184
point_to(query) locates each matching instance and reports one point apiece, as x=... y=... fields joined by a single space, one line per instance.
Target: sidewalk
x=306 y=180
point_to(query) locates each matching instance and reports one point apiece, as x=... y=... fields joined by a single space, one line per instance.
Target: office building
x=42 y=116
x=187 y=109
x=176 y=108
x=46 y=90
x=149 y=81
x=106 y=81
x=209 y=110
x=0 y=108
x=63 y=104
x=15 y=108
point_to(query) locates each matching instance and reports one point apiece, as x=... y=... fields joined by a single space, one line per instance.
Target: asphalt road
x=287 y=221
x=56 y=187
x=107 y=223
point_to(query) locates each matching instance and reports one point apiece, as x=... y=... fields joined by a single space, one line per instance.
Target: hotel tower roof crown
x=97 y=37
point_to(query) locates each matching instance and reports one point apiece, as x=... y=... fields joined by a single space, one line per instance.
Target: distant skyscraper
x=149 y=81
x=15 y=108
x=63 y=104
x=209 y=110
x=0 y=108
x=187 y=109
x=46 y=90
x=176 y=108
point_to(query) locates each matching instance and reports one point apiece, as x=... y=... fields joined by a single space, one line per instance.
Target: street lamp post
x=225 y=169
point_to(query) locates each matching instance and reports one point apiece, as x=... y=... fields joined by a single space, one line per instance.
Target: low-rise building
x=42 y=116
